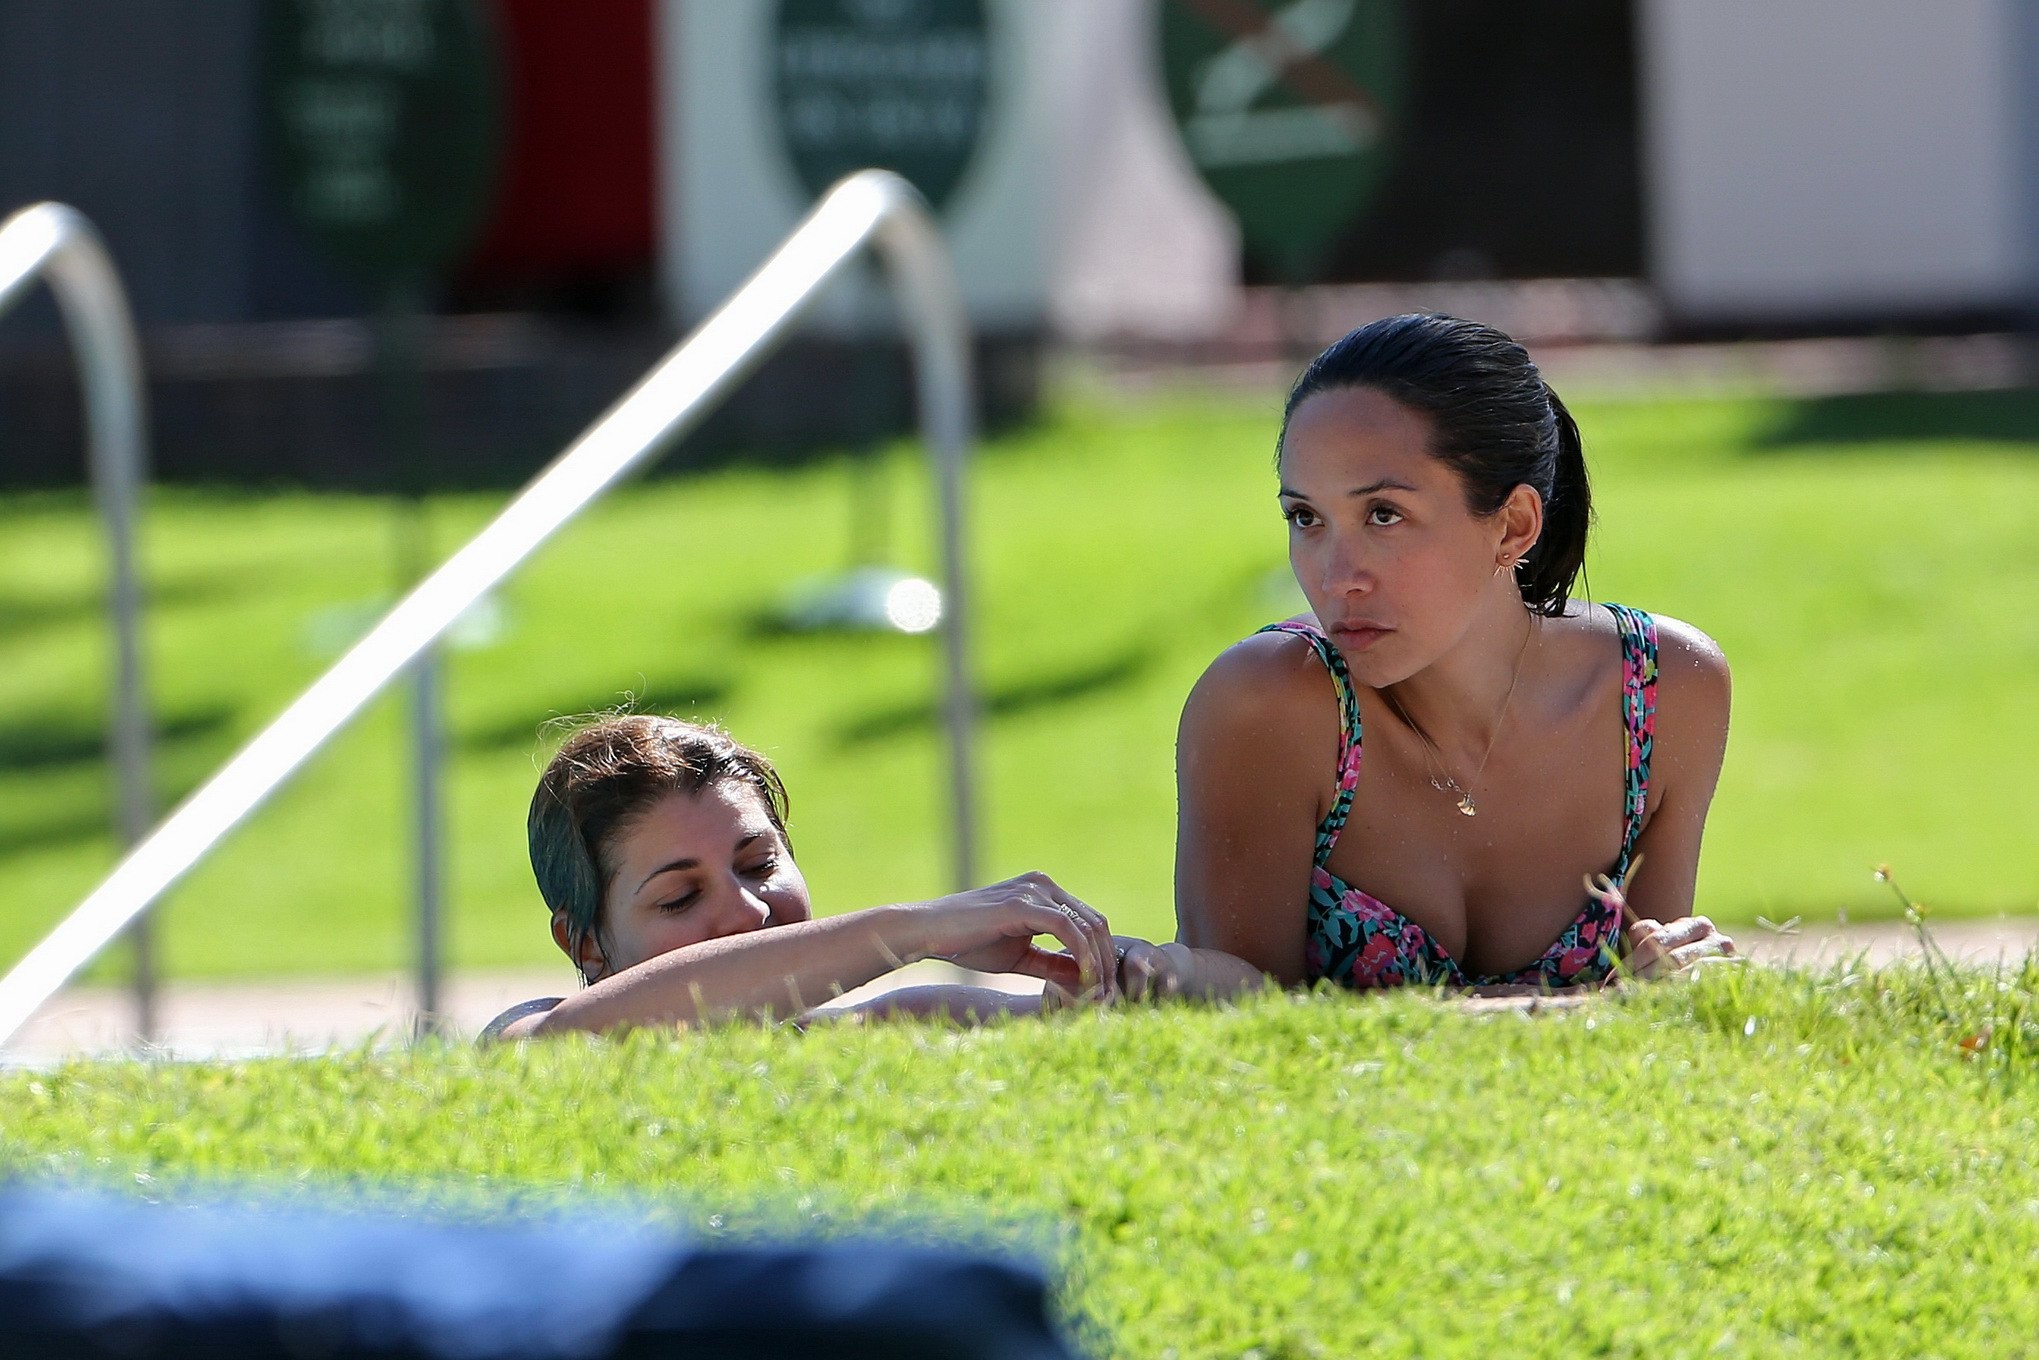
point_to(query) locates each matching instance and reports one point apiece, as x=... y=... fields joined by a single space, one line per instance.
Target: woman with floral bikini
x=1410 y=783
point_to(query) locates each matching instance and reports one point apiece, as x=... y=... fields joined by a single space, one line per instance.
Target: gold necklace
x=1466 y=806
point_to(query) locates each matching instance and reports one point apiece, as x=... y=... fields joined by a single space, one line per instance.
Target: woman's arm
x=948 y=1001
x=786 y=970
x=1256 y=750
x=1694 y=693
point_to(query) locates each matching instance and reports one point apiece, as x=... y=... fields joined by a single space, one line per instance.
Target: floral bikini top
x=1359 y=941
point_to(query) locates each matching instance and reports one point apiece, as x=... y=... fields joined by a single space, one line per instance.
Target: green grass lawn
x=1760 y=1163
x=1869 y=565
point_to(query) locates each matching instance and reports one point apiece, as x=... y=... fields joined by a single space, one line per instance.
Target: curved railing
x=52 y=243
x=872 y=207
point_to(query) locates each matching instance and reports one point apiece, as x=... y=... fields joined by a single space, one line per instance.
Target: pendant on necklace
x=1466 y=806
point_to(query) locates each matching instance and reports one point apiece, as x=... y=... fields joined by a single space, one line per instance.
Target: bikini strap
x=1348 y=734
x=1639 y=719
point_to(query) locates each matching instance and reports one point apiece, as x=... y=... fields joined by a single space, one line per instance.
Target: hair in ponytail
x=1497 y=425
x=1551 y=567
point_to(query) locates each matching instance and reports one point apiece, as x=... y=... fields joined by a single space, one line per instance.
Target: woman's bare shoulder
x=1689 y=658
x=1266 y=704
x=1693 y=681
x=1691 y=668
x=518 y=1022
x=1691 y=726
x=1694 y=696
x=1266 y=672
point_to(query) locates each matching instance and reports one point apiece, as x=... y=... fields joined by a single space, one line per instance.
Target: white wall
x=1080 y=211
x=1811 y=159
x=1146 y=249
x=729 y=194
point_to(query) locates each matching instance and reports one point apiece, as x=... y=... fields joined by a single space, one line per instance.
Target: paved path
x=287 y=1015
x=309 y=1015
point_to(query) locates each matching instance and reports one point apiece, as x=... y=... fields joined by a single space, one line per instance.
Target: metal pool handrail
x=56 y=244
x=871 y=207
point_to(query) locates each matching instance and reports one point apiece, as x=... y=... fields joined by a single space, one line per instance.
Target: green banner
x=898 y=84
x=381 y=119
x=1288 y=111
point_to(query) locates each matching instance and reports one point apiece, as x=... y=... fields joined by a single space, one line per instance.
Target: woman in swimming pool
x=661 y=848
x=1516 y=741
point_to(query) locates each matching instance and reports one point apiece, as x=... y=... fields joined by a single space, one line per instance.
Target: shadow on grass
x=1823 y=423
x=28 y=612
x=1008 y=700
x=185 y=746
x=55 y=742
x=69 y=826
x=768 y=623
x=681 y=696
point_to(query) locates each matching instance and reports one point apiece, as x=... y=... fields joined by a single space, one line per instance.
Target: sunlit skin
x=706 y=917
x=692 y=867
x=1417 y=593
x=1397 y=570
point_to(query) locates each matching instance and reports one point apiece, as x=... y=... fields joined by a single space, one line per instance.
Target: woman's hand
x=992 y=929
x=1155 y=972
x=1660 y=948
x=1152 y=972
x=1657 y=948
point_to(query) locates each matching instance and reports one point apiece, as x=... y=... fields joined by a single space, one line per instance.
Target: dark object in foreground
x=89 y=1275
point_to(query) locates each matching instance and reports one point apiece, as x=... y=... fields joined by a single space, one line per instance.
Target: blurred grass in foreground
x=1869 y=564
x=1761 y=1162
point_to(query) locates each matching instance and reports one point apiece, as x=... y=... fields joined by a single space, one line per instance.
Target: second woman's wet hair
x=1495 y=422
x=606 y=775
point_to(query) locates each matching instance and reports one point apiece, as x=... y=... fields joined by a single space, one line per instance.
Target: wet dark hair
x=609 y=773
x=1496 y=423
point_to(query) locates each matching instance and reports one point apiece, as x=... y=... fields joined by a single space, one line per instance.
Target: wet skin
x=1418 y=595
x=690 y=868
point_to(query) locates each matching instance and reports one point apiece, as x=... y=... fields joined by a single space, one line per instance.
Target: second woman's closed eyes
x=761 y=871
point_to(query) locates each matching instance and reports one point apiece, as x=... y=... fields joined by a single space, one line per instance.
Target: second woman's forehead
x=709 y=824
